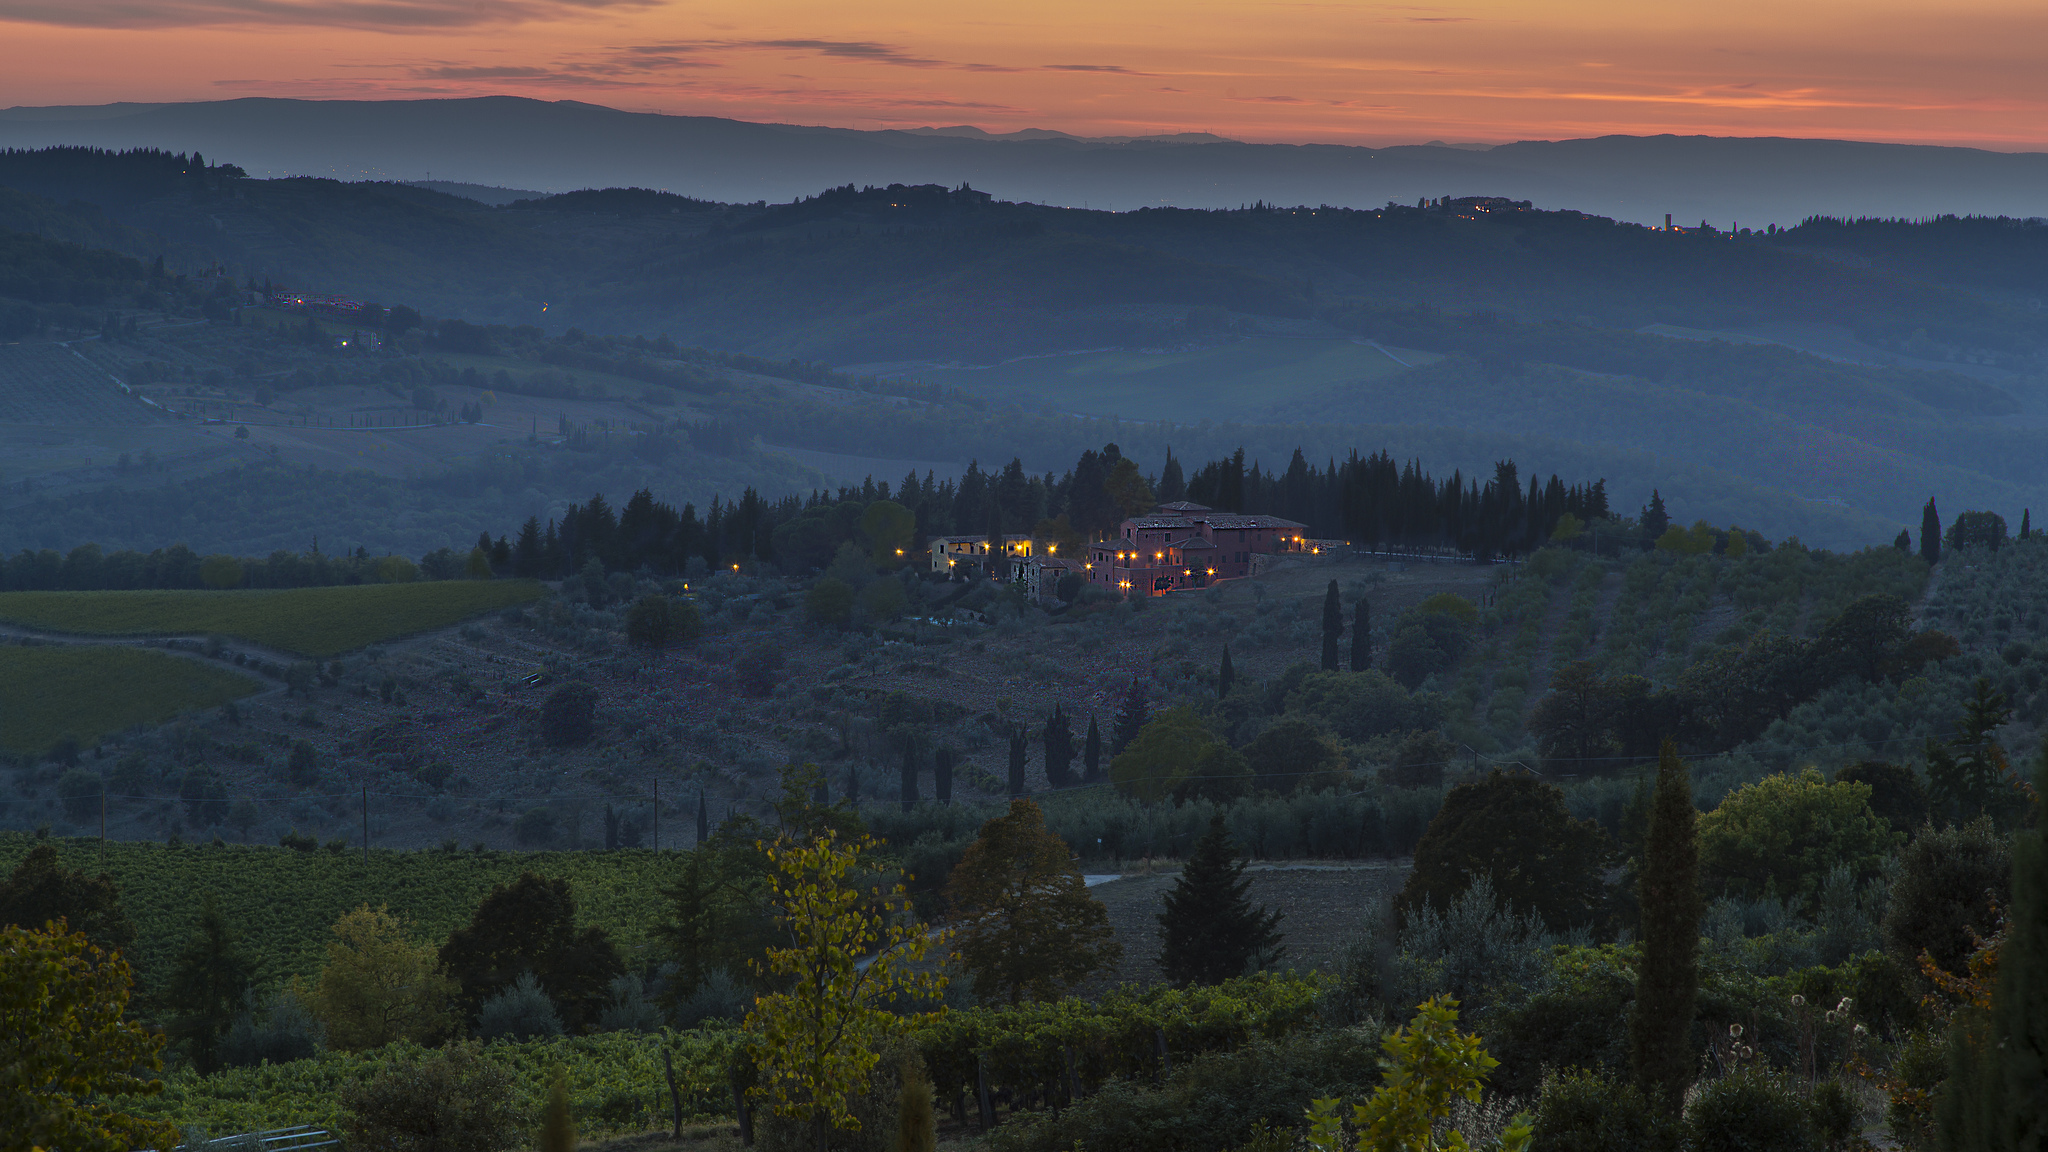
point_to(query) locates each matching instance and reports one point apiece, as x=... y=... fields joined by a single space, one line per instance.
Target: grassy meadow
x=317 y=622
x=47 y=693
x=1231 y=381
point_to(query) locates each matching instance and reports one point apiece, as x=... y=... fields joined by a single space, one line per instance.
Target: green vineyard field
x=282 y=904
x=316 y=622
x=87 y=691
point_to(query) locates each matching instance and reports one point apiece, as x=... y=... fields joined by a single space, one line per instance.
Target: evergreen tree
x=41 y=889
x=1930 y=533
x=1131 y=717
x=1667 y=986
x=2026 y=523
x=1020 y=746
x=1904 y=542
x=1225 y=676
x=1173 y=485
x=1361 y=637
x=1091 y=753
x=1210 y=931
x=909 y=787
x=1655 y=518
x=1333 y=626
x=2019 y=1004
x=942 y=775
x=1059 y=749
x=206 y=988
x=703 y=818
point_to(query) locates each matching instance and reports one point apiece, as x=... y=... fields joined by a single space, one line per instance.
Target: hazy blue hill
x=563 y=145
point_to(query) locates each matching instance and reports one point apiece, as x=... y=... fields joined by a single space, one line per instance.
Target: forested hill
x=868 y=274
x=1861 y=362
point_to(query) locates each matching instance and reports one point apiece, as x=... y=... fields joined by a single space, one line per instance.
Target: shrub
x=79 y=789
x=1753 y=1110
x=630 y=1009
x=569 y=715
x=1214 y=1101
x=448 y=1101
x=718 y=997
x=521 y=1012
x=286 y=1033
x=535 y=827
x=1355 y=705
x=1582 y=1111
x=1948 y=884
x=758 y=670
x=303 y=768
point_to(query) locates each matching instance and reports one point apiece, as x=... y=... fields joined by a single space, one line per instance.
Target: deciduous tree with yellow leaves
x=64 y=1048
x=848 y=956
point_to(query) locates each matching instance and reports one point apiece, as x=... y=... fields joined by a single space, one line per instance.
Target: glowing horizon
x=1488 y=71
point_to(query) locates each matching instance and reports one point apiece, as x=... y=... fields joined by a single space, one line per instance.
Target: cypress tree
x=1020 y=745
x=1059 y=749
x=2026 y=523
x=1130 y=719
x=942 y=775
x=853 y=785
x=1930 y=533
x=1091 y=752
x=1361 y=637
x=703 y=818
x=1668 y=890
x=1904 y=542
x=1333 y=626
x=909 y=786
x=1225 y=676
x=1210 y=931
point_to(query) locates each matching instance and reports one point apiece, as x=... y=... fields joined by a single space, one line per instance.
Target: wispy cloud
x=1115 y=69
x=385 y=15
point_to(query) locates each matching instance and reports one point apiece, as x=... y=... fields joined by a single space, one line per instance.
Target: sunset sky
x=1489 y=70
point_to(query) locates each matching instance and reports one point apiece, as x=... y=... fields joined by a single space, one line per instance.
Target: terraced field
x=48 y=384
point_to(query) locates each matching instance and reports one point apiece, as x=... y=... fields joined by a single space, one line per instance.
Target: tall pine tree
x=2026 y=523
x=1361 y=637
x=1667 y=986
x=1655 y=518
x=1091 y=753
x=1333 y=626
x=1930 y=533
x=1225 y=675
x=1210 y=931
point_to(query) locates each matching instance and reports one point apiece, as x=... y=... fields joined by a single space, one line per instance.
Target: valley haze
x=559 y=146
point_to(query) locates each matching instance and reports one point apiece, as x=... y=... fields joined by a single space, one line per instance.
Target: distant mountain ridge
x=561 y=146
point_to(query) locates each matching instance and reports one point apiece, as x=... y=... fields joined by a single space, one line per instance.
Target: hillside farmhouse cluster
x=1175 y=547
